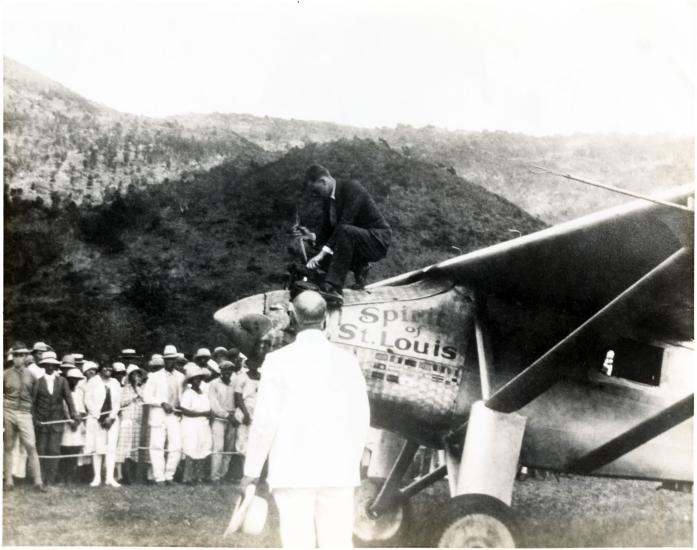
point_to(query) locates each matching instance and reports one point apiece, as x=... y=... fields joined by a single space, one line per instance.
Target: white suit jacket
x=155 y=393
x=311 y=417
x=95 y=393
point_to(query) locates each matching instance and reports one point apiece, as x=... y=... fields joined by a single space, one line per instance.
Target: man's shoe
x=331 y=294
x=361 y=277
x=41 y=488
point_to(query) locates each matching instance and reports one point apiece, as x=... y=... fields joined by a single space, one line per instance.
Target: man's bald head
x=310 y=309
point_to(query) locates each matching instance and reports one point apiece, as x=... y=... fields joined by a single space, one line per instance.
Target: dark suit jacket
x=354 y=206
x=49 y=406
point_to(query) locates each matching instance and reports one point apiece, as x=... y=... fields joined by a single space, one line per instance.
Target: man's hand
x=315 y=260
x=166 y=407
x=246 y=481
x=247 y=420
x=302 y=232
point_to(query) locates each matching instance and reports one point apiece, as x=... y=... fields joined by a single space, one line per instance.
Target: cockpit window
x=634 y=361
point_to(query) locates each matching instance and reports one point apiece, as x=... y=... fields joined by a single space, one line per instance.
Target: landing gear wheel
x=383 y=530
x=474 y=521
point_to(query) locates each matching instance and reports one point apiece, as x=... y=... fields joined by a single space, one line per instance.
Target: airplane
x=569 y=349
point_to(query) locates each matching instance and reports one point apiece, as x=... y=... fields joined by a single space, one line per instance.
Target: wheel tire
x=474 y=521
x=385 y=530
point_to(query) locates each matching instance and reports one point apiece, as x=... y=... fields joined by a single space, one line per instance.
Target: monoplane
x=568 y=349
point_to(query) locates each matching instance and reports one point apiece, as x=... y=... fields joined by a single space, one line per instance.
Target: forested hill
x=500 y=161
x=60 y=147
x=151 y=266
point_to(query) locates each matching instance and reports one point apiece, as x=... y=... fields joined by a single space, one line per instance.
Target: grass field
x=569 y=512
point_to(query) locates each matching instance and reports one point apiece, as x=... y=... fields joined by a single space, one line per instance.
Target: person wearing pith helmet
x=17 y=417
x=50 y=396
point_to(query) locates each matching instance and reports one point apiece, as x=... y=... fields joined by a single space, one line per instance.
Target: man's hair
x=315 y=172
x=310 y=308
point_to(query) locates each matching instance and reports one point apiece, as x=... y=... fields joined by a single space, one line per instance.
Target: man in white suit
x=311 y=420
x=162 y=392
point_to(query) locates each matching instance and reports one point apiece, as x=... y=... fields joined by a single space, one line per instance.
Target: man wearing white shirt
x=162 y=391
x=311 y=420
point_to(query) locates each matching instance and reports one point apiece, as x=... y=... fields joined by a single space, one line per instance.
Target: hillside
x=500 y=161
x=61 y=147
x=58 y=146
x=151 y=266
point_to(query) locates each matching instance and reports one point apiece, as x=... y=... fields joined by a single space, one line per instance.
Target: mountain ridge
x=140 y=151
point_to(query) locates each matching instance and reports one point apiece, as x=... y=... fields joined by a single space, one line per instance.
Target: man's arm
x=216 y=407
x=68 y=398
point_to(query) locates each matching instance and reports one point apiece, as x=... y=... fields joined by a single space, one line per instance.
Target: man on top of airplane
x=353 y=233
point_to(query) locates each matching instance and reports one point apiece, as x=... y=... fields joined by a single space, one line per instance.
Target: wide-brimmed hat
x=202 y=352
x=213 y=366
x=41 y=346
x=89 y=365
x=133 y=368
x=192 y=370
x=249 y=513
x=220 y=349
x=226 y=365
x=19 y=347
x=170 y=352
x=78 y=358
x=156 y=360
x=129 y=353
x=181 y=358
x=68 y=362
x=118 y=366
x=49 y=357
x=75 y=373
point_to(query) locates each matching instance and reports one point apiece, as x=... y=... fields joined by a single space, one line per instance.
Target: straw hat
x=75 y=373
x=19 y=347
x=156 y=360
x=192 y=370
x=68 y=362
x=119 y=367
x=170 y=352
x=132 y=368
x=249 y=513
x=89 y=365
x=49 y=357
x=202 y=352
x=213 y=366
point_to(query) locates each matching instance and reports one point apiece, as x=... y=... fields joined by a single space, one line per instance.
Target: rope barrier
x=78 y=455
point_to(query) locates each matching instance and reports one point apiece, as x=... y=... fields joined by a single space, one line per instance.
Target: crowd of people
x=76 y=421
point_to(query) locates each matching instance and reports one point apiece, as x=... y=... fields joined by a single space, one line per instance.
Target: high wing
x=579 y=266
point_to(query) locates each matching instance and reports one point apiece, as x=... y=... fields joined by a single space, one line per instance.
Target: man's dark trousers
x=354 y=247
x=48 y=443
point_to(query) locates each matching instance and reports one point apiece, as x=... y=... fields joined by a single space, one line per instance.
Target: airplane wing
x=581 y=265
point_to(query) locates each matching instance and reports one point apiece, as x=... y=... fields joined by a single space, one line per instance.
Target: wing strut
x=541 y=375
x=635 y=437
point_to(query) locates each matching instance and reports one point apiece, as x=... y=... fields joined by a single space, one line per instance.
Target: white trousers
x=170 y=432
x=312 y=518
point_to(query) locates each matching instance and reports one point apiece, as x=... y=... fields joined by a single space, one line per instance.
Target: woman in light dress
x=102 y=401
x=197 y=440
